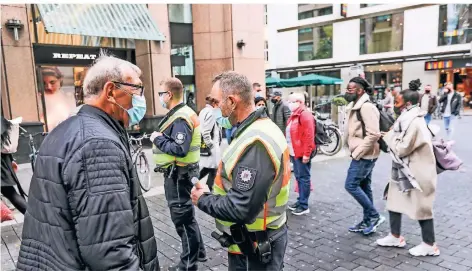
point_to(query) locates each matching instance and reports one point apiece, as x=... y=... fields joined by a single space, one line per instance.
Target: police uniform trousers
x=240 y=262
x=182 y=213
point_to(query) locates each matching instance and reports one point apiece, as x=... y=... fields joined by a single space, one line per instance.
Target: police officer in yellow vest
x=251 y=188
x=176 y=154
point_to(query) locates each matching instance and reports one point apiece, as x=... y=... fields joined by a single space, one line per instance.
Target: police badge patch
x=245 y=178
x=180 y=138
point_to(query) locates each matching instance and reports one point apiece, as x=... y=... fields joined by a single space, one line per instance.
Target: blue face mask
x=137 y=112
x=163 y=103
x=223 y=122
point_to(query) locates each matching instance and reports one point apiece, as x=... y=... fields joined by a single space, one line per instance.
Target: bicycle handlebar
x=137 y=139
x=34 y=135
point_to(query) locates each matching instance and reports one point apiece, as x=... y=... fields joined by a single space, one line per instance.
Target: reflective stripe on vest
x=273 y=215
x=193 y=156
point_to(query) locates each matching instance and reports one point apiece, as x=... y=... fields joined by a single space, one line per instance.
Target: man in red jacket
x=300 y=134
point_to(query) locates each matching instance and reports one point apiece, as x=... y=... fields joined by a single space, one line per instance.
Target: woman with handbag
x=210 y=153
x=412 y=188
x=9 y=178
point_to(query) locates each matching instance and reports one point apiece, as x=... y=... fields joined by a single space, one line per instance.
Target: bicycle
x=140 y=162
x=32 y=145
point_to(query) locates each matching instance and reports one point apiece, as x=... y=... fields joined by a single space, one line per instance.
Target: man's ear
x=109 y=91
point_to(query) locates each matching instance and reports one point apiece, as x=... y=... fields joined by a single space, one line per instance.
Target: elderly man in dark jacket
x=85 y=209
x=280 y=113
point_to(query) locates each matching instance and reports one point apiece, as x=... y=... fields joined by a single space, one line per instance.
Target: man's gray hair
x=233 y=83
x=105 y=68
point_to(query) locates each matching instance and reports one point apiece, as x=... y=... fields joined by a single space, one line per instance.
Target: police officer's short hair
x=237 y=84
x=175 y=86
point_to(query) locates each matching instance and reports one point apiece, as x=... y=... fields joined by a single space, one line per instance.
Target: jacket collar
x=240 y=127
x=170 y=113
x=299 y=110
x=97 y=113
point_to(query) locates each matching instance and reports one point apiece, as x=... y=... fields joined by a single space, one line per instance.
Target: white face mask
x=293 y=106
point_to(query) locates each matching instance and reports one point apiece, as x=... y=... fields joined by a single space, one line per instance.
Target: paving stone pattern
x=320 y=240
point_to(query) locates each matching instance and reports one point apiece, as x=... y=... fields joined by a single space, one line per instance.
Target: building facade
x=191 y=42
x=391 y=43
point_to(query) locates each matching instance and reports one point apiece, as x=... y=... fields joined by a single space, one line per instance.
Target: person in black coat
x=85 y=209
x=9 y=178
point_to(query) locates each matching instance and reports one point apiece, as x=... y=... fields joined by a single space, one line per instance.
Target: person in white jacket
x=210 y=152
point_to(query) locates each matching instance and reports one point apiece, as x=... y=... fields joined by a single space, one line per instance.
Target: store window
x=182 y=59
x=288 y=75
x=39 y=35
x=381 y=34
x=369 y=5
x=383 y=76
x=315 y=43
x=306 y=11
x=180 y=13
x=266 y=51
x=455 y=24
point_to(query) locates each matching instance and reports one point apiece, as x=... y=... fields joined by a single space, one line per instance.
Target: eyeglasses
x=137 y=87
x=160 y=93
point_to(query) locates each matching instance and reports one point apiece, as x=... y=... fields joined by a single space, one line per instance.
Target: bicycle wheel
x=333 y=146
x=144 y=171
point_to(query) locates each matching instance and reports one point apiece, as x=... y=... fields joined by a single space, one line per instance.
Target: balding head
x=297 y=97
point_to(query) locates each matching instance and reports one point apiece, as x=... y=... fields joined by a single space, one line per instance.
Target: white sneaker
x=424 y=249
x=391 y=241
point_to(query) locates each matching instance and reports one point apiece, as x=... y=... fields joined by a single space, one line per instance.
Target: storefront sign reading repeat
x=74 y=56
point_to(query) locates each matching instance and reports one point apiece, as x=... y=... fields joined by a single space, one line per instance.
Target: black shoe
x=294 y=206
x=202 y=259
x=359 y=227
x=301 y=211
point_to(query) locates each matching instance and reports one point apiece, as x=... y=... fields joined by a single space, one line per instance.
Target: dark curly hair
x=411 y=94
x=363 y=84
x=258 y=99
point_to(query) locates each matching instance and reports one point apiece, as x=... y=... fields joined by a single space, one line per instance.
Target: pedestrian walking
x=428 y=103
x=176 y=154
x=252 y=185
x=280 y=112
x=451 y=104
x=364 y=152
x=256 y=87
x=9 y=178
x=388 y=102
x=210 y=152
x=191 y=101
x=300 y=134
x=412 y=187
x=260 y=102
x=85 y=206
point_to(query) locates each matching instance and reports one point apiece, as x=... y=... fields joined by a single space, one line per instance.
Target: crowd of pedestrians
x=85 y=193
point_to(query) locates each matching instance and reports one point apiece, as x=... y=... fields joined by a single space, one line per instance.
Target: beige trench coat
x=417 y=145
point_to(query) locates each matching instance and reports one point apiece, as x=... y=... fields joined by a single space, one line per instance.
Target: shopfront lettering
x=73 y=56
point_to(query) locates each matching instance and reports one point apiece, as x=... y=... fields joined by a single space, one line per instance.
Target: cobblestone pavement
x=320 y=240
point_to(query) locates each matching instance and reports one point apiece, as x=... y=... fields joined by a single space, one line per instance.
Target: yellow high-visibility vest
x=164 y=160
x=273 y=216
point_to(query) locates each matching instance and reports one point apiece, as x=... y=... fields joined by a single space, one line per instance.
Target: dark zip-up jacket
x=85 y=209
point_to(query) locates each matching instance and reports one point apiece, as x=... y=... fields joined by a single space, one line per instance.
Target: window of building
x=369 y=5
x=288 y=75
x=455 y=24
x=266 y=51
x=315 y=43
x=183 y=55
x=265 y=14
x=180 y=13
x=306 y=11
x=381 y=34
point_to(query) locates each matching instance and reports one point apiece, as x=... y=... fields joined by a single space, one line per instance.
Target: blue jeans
x=448 y=126
x=358 y=184
x=303 y=176
x=427 y=118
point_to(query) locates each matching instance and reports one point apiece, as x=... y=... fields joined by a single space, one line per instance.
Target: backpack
x=320 y=134
x=385 y=123
x=204 y=150
x=446 y=159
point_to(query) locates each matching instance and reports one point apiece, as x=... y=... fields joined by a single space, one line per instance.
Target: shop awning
x=310 y=80
x=272 y=82
x=128 y=21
